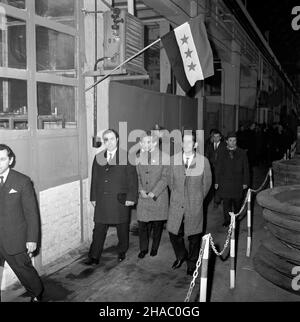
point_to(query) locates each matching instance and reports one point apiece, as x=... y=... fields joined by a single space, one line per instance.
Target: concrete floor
x=153 y=280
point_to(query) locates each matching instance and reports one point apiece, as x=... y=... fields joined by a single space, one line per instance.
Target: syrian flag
x=189 y=53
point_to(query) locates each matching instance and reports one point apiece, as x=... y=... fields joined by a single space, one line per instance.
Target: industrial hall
x=149 y=151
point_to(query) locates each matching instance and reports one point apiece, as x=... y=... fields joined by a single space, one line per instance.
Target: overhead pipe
x=96 y=143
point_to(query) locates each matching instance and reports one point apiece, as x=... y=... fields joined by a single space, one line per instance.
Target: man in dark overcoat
x=214 y=149
x=113 y=192
x=232 y=177
x=19 y=224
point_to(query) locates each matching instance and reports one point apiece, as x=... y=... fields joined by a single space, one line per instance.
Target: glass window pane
x=13 y=104
x=62 y=11
x=13 y=43
x=56 y=106
x=15 y=3
x=55 y=52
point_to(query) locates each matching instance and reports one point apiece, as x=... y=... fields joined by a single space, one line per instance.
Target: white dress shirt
x=216 y=145
x=5 y=175
x=190 y=158
x=111 y=155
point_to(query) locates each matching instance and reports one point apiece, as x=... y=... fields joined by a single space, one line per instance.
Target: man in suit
x=213 y=150
x=19 y=224
x=189 y=181
x=152 y=209
x=113 y=192
x=232 y=177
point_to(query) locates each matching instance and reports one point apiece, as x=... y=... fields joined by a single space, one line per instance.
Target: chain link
x=261 y=187
x=195 y=275
x=212 y=244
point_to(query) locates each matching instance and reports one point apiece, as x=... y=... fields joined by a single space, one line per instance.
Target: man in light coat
x=153 y=203
x=189 y=180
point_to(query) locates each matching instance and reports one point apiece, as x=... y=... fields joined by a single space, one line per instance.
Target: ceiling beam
x=169 y=9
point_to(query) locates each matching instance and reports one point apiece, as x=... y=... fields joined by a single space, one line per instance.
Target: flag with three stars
x=189 y=53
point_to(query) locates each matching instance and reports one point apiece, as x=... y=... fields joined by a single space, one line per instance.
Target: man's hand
x=31 y=248
x=216 y=186
x=129 y=203
x=151 y=195
x=245 y=186
x=144 y=194
x=93 y=203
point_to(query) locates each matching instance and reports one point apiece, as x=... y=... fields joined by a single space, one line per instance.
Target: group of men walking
x=164 y=188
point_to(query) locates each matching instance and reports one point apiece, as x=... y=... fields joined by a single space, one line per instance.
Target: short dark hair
x=111 y=131
x=217 y=132
x=10 y=153
x=190 y=132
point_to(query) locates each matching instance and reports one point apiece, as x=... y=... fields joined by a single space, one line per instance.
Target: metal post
x=95 y=141
x=249 y=238
x=204 y=268
x=232 y=253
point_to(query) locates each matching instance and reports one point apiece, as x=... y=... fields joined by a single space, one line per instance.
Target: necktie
x=109 y=157
x=216 y=146
x=149 y=158
x=187 y=163
x=1 y=181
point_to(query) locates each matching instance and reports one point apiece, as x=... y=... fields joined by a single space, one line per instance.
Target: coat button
x=106 y=181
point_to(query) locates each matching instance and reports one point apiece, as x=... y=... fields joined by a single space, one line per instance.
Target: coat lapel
x=8 y=185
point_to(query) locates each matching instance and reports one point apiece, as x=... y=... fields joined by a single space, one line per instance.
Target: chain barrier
x=195 y=275
x=264 y=183
x=212 y=244
x=229 y=235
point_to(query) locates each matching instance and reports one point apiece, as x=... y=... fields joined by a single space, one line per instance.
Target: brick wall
x=60 y=221
x=88 y=212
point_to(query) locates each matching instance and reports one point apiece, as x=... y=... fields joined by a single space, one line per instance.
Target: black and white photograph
x=149 y=154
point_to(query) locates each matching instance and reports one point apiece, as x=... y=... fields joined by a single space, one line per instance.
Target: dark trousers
x=229 y=205
x=145 y=229
x=178 y=244
x=99 y=236
x=22 y=266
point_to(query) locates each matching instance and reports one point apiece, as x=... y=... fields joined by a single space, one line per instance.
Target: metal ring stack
x=279 y=252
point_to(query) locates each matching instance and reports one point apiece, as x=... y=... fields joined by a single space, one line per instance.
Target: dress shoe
x=178 y=263
x=142 y=254
x=91 y=261
x=153 y=253
x=36 y=299
x=190 y=271
x=121 y=257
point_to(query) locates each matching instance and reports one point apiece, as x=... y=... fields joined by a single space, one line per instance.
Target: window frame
x=33 y=77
